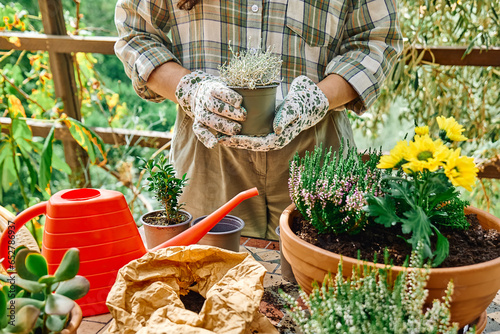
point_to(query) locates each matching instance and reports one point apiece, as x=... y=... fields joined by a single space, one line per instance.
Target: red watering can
x=99 y=223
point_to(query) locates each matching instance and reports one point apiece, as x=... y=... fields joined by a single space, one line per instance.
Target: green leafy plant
x=32 y=163
x=420 y=90
x=468 y=93
x=422 y=195
x=166 y=187
x=34 y=301
x=328 y=188
x=371 y=301
x=251 y=68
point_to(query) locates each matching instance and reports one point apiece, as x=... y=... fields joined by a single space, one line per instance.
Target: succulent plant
x=33 y=301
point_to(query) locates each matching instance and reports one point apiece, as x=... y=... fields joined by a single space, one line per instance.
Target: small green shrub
x=328 y=187
x=166 y=187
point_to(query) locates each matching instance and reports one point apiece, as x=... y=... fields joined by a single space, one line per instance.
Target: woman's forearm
x=165 y=78
x=337 y=90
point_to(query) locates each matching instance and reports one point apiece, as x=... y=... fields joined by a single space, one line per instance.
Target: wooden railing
x=60 y=46
x=443 y=55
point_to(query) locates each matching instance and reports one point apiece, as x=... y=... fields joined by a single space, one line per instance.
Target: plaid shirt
x=356 y=39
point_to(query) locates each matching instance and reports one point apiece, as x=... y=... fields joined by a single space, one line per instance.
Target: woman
x=335 y=55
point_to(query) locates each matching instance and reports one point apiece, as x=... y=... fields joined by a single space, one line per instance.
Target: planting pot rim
x=240 y=221
x=183 y=212
x=75 y=320
x=285 y=229
x=271 y=85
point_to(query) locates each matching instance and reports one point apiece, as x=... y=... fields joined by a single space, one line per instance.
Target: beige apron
x=217 y=175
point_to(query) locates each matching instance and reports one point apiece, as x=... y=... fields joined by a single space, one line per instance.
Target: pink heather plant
x=329 y=188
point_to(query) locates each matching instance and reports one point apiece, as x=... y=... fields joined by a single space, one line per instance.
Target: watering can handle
x=7 y=239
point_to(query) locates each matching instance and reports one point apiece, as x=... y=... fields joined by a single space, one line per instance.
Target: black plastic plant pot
x=260 y=104
x=225 y=234
x=286 y=270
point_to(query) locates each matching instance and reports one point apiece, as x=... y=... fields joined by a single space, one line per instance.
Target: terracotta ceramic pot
x=157 y=234
x=475 y=286
x=75 y=318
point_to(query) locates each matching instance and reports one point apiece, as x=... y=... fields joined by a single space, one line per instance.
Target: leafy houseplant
x=429 y=191
x=370 y=301
x=161 y=225
x=36 y=302
x=255 y=75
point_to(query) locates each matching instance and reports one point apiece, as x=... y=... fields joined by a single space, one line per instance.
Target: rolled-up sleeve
x=141 y=45
x=370 y=47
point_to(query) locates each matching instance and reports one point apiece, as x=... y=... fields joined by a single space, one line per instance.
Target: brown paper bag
x=145 y=296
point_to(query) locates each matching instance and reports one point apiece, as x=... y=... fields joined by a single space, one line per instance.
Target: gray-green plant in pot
x=255 y=74
x=373 y=300
x=32 y=301
x=161 y=225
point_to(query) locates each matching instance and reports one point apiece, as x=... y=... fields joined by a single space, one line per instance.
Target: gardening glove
x=304 y=106
x=212 y=106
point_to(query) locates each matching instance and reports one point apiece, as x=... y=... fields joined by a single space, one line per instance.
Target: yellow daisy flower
x=461 y=170
x=396 y=157
x=422 y=130
x=425 y=153
x=450 y=129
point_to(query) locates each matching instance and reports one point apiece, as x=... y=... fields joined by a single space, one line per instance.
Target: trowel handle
x=7 y=239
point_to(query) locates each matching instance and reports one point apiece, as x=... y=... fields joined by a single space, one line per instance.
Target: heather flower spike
x=329 y=188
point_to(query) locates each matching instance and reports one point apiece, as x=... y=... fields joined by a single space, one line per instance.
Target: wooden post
x=62 y=69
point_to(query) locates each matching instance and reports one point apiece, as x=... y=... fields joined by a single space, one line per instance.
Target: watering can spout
x=194 y=234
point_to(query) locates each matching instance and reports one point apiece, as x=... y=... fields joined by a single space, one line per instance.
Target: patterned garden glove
x=304 y=106
x=211 y=104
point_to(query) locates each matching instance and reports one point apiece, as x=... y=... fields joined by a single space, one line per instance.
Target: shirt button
x=255 y=8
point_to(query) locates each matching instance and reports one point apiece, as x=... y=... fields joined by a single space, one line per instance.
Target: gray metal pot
x=286 y=269
x=260 y=104
x=158 y=234
x=225 y=234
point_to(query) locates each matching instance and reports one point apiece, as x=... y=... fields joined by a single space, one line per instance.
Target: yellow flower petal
x=422 y=130
x=425 y=153
x=451 y=130
x=461 y=170
x=396 y=157
x=112 y=100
